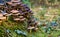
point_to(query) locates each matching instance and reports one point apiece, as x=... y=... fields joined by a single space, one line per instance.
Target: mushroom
x=22 y=13
x=16 y=14
x=14 y=11
x=30 y=28
x=1 y=6
x=16 y=19
x=15 y=1
x=22 y=19
x=2 y=19
x=9 y=3
x=35 y=28
x=12 y=3
x=1 y=14
x=6 y=15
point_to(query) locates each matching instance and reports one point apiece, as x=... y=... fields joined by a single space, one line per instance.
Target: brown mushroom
x=3 y=18
x=35 y=28
x=6 y=15
x=14 y=5
x=16 y=19
x=14 y=11
x=1 y=5
x=23 y=19
x=15 y=1
x=1 y=14
x=16 y=14
x=30 y=28
x=9 y=3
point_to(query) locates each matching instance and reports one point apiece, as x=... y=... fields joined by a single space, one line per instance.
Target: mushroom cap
x=9 y=3
x=2 y=18
x=0 y=21
x=16 y=14
x=5 y=13
x=31 y=27
x=8 y=14
x=19 y=3
x=15 y=1
x=1 y=15
x=22 y=19
x=16 y=19
x=14 y=11
x=36 y=28
x=14 y=4
x=1 y=4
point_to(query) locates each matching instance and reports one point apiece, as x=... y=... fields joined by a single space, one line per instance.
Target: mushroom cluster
x=20 y=12
x=32 y=25
x=16 y=16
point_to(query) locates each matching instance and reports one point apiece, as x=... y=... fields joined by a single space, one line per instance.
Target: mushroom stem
x=6 y=18
x=0 y=22
x=30 y=30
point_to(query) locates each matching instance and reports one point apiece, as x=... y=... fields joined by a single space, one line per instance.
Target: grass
x=22 y=26
x=39 y=33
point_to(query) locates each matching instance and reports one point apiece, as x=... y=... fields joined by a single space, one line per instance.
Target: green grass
x=11 y=25
x=38 y=33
